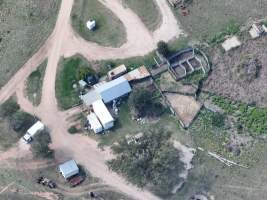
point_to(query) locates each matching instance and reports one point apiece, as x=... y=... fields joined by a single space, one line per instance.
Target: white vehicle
x=38 y=126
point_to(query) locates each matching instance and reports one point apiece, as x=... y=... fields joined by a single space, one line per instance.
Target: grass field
x=68 y=96
x=147 y=10
x=34 y=84
x=109 y=29
x=25 y=25
x=207 y=18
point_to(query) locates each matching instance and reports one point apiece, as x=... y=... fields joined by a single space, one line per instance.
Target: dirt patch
x=186 y=107
x=237 y=74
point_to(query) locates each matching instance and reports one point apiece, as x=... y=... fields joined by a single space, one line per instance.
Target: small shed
x=103 y=114
x=231 y=43
x=68 y=169
x=114 y=89
x=95 y=125
x=91 y=24
x=117 y=72
x=38 y=126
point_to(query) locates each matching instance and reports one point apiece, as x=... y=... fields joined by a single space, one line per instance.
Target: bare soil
x=226 y=80
x=185 y=106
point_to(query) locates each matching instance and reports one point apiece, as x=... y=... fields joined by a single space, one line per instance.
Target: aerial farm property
x=133 y=100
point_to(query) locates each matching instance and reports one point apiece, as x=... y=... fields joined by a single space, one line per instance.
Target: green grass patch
x=66 y=94
x=25 y=25
x=35 y=83
x=252 y=118
x=231 y=29
x=147 y=10
x=109 y=29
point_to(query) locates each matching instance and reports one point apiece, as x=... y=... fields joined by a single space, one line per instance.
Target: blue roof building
x=114 y=89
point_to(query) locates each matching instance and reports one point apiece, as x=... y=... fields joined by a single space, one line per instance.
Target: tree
x=151 y=160
x=40 y=145
x=163 y=48
x=83 y=72
x=141 y=100
x=21 y=122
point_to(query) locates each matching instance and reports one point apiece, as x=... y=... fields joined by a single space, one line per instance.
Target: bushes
x=40 y=145
x=21 y=122
x=9 y=107
x=163 y=48
x=152 y=160
x=251 y=117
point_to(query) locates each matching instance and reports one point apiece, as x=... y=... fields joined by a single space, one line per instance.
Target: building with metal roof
x=68 y=169
x=117 y=72
x=95 y=124
x=103 y=114
x=90 y=97
x=114 y=89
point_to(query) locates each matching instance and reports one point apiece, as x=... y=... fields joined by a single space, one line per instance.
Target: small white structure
x=68 y=169
x=117 y=72
x=231 y=43
x=91 y=24
x=95 y=125
x=114 y=89
x=256 y=31
x=103 y=114
x=38 y=126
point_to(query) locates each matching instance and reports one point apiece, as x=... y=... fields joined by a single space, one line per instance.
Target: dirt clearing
x=186 y=107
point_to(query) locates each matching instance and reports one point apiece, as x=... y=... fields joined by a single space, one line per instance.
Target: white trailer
x=38 y=126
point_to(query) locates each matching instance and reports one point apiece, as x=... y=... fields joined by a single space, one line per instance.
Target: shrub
x=73 y=130
x=9 y=107
x=21 y=122
x=163 y=48
x=40 y=145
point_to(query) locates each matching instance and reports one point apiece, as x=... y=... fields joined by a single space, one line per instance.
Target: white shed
x=91 y=24
x=94 y=123
x=68 y=169
x=231 y=43
x=103 y=114
x=38 y=126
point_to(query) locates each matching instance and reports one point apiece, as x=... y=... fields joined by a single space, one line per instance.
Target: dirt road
x=64 y=41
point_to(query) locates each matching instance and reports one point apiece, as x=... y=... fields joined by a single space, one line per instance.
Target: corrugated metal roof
x=113 y=89
x=90 y=97
x=68 y=167
x=94 y=123
x=102 y=112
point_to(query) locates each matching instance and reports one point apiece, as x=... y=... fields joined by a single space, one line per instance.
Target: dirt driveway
x=65 y=42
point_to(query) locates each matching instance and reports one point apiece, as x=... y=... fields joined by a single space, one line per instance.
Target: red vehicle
x=76 y=180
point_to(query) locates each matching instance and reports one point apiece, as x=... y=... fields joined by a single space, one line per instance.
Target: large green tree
x=152 y=160
x=143 y=103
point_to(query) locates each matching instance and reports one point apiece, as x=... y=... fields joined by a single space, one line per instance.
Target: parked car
x=76 y=180
x=46 y=182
